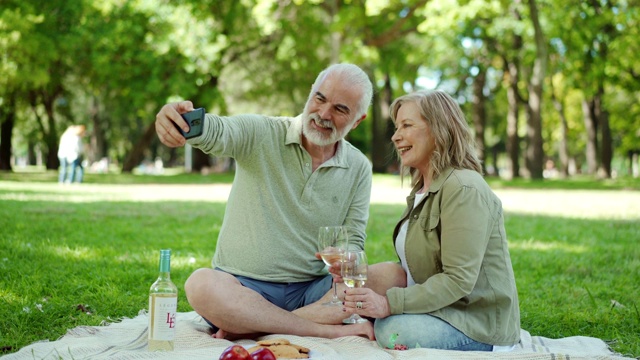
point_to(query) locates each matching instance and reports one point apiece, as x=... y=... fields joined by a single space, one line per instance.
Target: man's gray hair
x=353 y=74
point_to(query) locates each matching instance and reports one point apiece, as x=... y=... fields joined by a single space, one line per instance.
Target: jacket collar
x=436 y=184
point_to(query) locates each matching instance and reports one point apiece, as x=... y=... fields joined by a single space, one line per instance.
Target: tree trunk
x=479 y=115
x=98 y=138
x=513 y=140
x=564 y=143
x=173 y=157
x=137 y=152
x=51 y=136
x=535 y=151
x=381 y=146
x=591 y=128
x=495 y=154
x=200 y=160
x=7 y=119
x=46 y=97
x=606 y=148
x=512 y=65
x=564 y=132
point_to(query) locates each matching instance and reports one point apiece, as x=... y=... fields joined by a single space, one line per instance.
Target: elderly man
x=293 y=176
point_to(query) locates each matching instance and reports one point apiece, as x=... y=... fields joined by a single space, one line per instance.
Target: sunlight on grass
x=84 y=253
x=548 y=246
x=182 y=262
x=602 y=204
x=9 y=297
x=66 y=252
x=88 y=193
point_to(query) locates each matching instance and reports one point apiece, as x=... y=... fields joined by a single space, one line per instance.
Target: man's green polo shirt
x=277 y=203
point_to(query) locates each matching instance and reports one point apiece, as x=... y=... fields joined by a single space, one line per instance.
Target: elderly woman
x=460 y=291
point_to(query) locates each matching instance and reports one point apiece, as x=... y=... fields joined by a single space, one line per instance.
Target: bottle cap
x=165 y=260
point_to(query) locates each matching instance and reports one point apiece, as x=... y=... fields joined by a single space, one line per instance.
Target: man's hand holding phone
x=173 y=128
x=195 y=120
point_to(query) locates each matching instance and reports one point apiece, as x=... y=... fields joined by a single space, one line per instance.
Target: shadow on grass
x=174 y=177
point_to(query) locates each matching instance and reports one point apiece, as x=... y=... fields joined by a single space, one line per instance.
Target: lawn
x=87 y=254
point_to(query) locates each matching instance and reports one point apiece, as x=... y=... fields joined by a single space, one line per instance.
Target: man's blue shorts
x=287 y=296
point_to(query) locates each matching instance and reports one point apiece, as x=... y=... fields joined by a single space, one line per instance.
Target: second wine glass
x=332 y=244
x=354 y=269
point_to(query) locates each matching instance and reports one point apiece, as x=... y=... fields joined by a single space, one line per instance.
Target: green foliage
x=112 y=64
x=81 y=255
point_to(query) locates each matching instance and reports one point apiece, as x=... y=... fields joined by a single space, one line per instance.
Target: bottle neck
x=165 y=264
x=164 y=275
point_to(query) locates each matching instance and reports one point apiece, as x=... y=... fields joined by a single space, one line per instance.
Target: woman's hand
x=365 y=302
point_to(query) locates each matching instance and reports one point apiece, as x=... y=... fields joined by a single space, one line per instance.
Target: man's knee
x=197 y=283
x=386 y=275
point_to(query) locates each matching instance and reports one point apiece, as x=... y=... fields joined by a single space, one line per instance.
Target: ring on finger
x=359 y=305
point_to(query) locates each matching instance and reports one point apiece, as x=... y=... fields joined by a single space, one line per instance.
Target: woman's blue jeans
x=70 y=171
x=425 y=331
x=63 y=170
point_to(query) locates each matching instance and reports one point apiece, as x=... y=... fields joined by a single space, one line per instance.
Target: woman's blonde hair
x=453 y=141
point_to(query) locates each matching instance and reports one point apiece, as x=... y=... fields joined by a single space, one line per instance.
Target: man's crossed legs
x=241 y=307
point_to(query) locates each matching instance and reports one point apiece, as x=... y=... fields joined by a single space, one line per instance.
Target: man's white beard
x=319 y=138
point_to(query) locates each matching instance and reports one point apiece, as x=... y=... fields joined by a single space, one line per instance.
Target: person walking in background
x=70 y=153
x=293 y=175
x=459 y=292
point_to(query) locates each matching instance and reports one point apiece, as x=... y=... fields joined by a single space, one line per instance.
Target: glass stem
x=335 y=291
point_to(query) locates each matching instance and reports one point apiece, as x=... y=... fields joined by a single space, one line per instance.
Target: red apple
x=263 y=354
x=235 y=352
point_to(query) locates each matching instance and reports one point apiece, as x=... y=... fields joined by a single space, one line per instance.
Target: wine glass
x=332 y=244
x=354 y=274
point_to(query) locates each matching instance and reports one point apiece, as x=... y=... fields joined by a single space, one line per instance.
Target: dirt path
x=621 y=204
x=574 y=203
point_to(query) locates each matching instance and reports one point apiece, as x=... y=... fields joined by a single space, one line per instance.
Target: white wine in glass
x=332 y=244
x=355 y=281
x=353 y=269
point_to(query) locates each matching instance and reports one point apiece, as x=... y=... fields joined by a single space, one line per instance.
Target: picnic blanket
x=128 y=340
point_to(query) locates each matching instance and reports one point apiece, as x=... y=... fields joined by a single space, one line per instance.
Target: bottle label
x=162 y=317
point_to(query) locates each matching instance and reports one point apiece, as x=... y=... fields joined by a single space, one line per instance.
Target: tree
x=112 y=65
x=297 y=51
x=589 y=31
x=390 y=32
x=535 y=153
x=38 y=56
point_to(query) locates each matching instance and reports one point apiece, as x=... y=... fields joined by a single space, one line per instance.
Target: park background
x=550 y=87
x=546 y=84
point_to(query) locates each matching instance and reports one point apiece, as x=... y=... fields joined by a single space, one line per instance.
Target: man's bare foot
x=321 y=314
x=221 y=334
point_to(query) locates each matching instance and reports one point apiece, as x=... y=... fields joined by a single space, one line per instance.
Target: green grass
x=66 y=263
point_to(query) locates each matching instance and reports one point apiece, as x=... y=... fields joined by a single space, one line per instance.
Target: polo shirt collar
x=294 y=136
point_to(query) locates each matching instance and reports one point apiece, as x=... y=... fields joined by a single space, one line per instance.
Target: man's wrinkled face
x=330 y=112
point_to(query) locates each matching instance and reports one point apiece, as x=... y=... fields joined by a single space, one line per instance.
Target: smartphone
x=195 y=120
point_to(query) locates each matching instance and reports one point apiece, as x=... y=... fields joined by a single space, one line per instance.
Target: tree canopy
x=541 y=81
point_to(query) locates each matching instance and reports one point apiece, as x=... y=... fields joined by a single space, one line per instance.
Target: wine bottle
x=163 y=304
